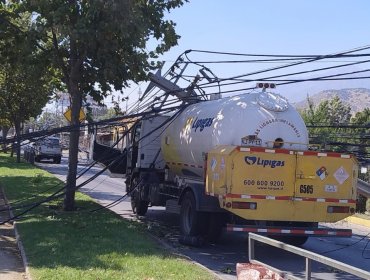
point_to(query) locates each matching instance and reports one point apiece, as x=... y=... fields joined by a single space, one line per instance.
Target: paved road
x=232 y=248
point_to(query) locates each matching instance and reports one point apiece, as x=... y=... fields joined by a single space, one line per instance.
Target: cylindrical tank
x=260 y=119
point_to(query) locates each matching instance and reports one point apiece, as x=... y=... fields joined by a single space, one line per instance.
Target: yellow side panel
x=326 y=177
x=219 y=165
x=263 y=173
x=284 y=185
x=298 y=211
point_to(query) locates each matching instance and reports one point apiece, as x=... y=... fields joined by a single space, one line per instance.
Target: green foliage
x=49 y=120
x=37 y=179
x=97 y=46
x=361 y=204
x=110 y=113
x=363 y=139
x=25 y=77
x=101 y=44
x=84 y=245
x=334 y=113
x=328 y=113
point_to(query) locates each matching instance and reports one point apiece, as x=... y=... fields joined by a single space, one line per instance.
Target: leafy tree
x=98 y=46
x=48 y=120
x=108 y=114
x=4 y=127
x=363 y=139
x=327 y=113
x=361 y=136
x=25 y=80
x=333 y=113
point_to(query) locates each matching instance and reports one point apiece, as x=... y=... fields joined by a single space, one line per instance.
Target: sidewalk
x=358 y=221
x=11 y=264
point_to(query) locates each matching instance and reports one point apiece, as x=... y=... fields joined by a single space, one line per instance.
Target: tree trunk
x=18 y=144
x=69 y=200
x=76 y=102
x=4 y=130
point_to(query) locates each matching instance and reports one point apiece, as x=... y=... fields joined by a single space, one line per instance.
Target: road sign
x=68 y=115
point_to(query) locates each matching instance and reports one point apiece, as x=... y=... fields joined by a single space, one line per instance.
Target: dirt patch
x=11 y=265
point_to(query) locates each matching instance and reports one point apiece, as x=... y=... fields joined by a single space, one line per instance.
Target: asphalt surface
x=222 y=257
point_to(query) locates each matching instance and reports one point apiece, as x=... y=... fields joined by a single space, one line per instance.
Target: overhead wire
x=317 y=58
x=165 y=124
x=347 y=246
x=264 y=55
x=239 y=81
x=80 y=174
x=57 y=194
x=60 y=191
x=262 y=71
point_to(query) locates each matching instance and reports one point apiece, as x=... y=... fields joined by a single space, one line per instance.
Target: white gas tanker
x=242 y=163
x=261 y=119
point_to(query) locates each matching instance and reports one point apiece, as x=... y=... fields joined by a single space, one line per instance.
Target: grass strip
x=80 y=244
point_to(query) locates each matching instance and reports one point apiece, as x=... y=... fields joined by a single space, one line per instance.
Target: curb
x=176 y=252
x=358 y=221
x=19 y=242
x=166 y=245
x=22 y=251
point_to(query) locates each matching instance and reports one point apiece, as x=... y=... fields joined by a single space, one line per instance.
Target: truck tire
x=138 y=206
x=296 y=240
x=57 y=160
x=215 y=223
x=189 y=216
x=292 y=240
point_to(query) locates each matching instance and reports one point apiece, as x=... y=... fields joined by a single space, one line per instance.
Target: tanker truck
x=240 y=163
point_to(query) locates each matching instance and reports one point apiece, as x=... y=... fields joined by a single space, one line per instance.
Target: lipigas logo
x=250 y=160
x=198 y=123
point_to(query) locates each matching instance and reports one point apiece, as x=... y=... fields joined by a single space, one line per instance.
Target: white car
x=47 y=148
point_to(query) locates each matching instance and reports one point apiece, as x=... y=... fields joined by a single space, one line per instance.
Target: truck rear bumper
x=291 y=231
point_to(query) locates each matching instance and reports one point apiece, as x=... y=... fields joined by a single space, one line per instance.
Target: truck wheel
x=189 y=217
x=293 y=240
x=216 y=223
x=138 y=206
x=296 y=240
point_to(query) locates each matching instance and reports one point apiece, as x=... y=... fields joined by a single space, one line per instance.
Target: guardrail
x=309 y=256
x=363 y=188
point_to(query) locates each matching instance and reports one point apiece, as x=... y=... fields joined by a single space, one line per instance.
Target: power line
x=277 y=60
x=320 y=57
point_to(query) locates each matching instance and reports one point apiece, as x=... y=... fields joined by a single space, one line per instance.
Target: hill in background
x=357 y=98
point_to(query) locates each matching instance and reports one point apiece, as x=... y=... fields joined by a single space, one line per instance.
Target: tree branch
x=59 y=56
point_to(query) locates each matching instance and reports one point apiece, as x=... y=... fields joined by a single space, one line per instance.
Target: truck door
x=325 y=176
x=264 y=173
x=132 y=142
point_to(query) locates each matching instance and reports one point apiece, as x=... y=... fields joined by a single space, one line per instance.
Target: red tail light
x=244 y=205
x=338 y=209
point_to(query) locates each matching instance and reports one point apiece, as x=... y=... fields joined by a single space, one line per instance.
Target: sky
x=270 y=26
x=273 y=27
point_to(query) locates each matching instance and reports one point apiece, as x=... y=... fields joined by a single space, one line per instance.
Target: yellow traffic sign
x=68 y=115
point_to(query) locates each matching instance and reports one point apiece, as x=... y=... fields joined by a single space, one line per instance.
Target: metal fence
x=309 y=257
x=363 y=188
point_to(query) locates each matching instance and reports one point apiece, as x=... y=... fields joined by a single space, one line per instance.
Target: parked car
x=47 y=148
